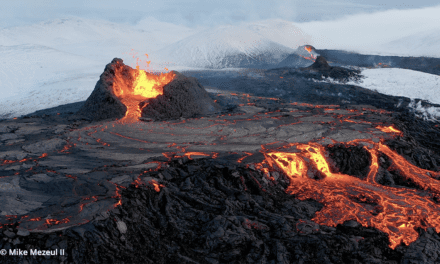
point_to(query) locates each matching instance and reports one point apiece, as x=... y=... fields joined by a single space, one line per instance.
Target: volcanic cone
x=103 y=103
x=182 y=97
x=320 y=64
x=122 y=92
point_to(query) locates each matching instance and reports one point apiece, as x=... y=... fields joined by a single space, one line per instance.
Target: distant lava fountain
x=395 y=211
x=145 y=85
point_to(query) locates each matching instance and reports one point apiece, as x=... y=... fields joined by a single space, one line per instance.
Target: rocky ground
x=302 y=85
x=188 y=190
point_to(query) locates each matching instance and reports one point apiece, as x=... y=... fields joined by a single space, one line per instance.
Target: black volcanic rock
x=320 y=64
x=217 y=213
x=182 y=97
x=206 y=210
x=321 y=69
x=103 y=103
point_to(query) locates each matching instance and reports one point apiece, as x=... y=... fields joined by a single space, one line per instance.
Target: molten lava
x=389 y=129
x=145 y=85
x=395 y=211
x=309 y=49
x=156 y=185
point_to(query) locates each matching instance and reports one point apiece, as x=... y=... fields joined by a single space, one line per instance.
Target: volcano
x=303 y=56
x=129 y=94
x=307 y=52
x=321 y=69
x=320 y=63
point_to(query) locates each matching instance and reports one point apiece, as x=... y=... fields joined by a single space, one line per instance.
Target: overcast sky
x=194 y=12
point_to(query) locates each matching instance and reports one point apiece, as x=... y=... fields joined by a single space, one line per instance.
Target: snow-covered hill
x=28 y=67
x=223 y=47
x=99 y=40
x=34 y=77
x=425 y=43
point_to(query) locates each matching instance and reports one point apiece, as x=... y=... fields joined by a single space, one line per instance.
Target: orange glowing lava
x=145 y=85
x=56 y=222
x=190 y=154
x=389 y=129
x=156 y=185
x=395 y=211
x=309 y=50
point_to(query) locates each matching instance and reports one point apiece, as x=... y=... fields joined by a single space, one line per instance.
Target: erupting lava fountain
x=145 y=85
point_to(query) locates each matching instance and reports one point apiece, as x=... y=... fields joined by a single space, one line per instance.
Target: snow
x=30 y=74
x=402 y=82
x=209 y=48
x=428 y=113
x=274 y=38
x=64 y=91
x=408 y=83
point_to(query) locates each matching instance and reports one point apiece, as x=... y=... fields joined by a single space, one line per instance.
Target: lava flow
x=145 y=85
x=395 y=211
x=389 y=129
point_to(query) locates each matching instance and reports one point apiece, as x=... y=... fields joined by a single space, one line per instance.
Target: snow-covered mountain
x=97 y=39
x=223 y=47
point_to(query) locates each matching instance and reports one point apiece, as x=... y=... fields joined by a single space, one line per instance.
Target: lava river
x=395 y=211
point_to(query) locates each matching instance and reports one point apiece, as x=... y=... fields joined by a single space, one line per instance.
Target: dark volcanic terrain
x=212 y=189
